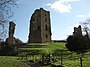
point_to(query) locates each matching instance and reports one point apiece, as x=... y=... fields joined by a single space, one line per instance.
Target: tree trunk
x=61 y=60
x=61 y=57
x=81 y=61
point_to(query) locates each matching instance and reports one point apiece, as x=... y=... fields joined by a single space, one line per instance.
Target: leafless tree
x=5 y=14
x=86 y=27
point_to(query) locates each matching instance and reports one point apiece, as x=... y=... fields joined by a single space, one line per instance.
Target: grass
x=74 y=61
x=68 y=61
x=49 y=48
x=11 y=61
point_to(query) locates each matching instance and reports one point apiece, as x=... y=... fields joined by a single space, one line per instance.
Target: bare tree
x=86 y=27
x=5 y=14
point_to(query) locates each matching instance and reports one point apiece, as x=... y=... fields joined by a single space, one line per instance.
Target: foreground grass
x=74 y=60
x=68 y=60
x=11 y=61
x=50 y=48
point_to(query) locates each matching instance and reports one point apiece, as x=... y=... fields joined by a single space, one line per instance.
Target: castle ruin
x=11 y=40
x=40 y=27
x=77 y=31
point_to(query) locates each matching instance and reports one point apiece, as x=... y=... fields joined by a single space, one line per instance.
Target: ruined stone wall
x=11 y=29
x=77 y=31
x=40 y=27
x=11 y=40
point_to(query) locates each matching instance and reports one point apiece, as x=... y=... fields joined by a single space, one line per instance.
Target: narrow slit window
x=46 y=36
x=46 y=27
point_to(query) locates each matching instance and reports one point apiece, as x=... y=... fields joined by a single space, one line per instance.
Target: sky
x=64 y=14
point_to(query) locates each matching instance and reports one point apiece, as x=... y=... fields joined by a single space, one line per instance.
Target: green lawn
x=68 y=61
x=48 y=47
x=59 y=49
x=11 y=61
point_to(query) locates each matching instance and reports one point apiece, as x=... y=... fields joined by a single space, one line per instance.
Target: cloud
x=62 y=5
x=87 y=15
x=69 y=0
x=76 y=25
x=21 y=1
x=71 y=28
x=80 y=16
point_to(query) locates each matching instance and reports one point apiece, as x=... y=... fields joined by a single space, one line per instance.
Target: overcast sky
x=64 y=14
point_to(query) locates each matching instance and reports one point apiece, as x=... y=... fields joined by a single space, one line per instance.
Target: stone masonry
x=77 y=31
x=40 y=27
x=11 y=40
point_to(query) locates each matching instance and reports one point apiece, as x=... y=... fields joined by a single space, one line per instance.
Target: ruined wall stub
x=40 y=27
x=77 y=31
x=11 y=29
x=11 y=40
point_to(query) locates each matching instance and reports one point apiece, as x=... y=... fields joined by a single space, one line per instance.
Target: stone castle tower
x=40 y=27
